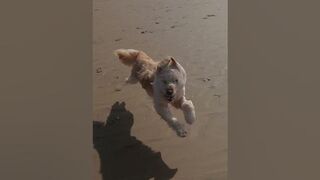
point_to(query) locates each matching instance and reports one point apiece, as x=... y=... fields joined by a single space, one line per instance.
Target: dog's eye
x=176 y=81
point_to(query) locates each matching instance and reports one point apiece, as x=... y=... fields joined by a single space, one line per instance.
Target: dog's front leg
x=164 y=111
x=188 y=110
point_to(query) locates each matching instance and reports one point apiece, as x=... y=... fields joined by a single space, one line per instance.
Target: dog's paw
x=180 y=129
x=191 y=119
x=182 y=133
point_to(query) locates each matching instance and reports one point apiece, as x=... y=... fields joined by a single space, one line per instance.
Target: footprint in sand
x=144 y=32
x=99 y=70
x=204 y=79
x=208 y=16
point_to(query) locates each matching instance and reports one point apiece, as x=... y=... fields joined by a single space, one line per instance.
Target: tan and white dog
x=164 y=81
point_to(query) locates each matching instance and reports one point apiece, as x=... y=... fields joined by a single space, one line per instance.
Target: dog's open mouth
x=169 y=98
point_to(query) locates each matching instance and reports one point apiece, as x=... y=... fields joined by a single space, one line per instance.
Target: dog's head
x=170 y=78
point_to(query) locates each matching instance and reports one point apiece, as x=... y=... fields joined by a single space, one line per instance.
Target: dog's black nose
x=169 y=91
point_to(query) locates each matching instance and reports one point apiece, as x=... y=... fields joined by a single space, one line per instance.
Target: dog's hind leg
x=132 y=79
x=188 y=110
x=164 y=111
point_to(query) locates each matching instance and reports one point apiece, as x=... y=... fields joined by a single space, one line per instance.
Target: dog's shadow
x=122 y=156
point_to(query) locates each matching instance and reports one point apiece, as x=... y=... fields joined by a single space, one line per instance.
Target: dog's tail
x=127 y=56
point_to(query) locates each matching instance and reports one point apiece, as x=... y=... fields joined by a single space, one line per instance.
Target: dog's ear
x=168 y=62
x=173 y=62
x=164 y=64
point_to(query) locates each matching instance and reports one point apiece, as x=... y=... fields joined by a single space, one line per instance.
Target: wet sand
x=138 y=144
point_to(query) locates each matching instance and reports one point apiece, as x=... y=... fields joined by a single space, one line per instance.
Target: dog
x=164 y=81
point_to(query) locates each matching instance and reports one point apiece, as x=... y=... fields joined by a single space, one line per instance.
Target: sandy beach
x=140 y=145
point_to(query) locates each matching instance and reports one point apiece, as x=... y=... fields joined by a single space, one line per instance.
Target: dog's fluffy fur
x=164 y=81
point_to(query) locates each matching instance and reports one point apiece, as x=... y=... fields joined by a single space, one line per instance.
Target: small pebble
x=119 y=39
